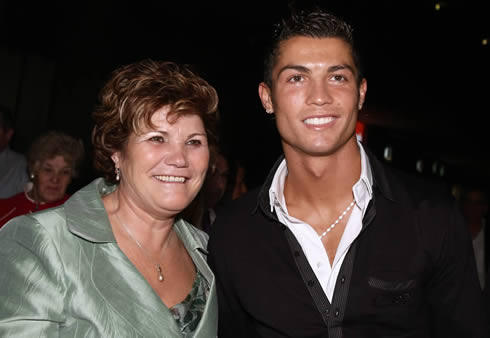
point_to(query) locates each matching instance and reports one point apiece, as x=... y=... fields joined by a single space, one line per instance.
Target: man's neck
x=322 y=178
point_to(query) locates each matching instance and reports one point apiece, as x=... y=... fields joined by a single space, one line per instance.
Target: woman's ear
x=116 y=158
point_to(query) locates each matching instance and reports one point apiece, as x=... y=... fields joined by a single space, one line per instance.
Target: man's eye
x=157 y=139
x=295 y=78
x=338 y=77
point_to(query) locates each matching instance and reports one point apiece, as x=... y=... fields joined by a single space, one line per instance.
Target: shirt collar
x=362 y=190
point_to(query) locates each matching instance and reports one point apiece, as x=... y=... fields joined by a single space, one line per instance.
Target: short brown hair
x=134 y=93
x=56 y=143
x=313 y=22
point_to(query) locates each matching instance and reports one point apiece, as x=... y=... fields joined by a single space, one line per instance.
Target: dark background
x=427 y=70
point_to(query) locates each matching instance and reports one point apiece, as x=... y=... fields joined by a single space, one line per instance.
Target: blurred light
x=419 y=166
x=442 y=170
x=360 y=131
x=388 y=154
x=484 y=41
x=438 y=6
x=434 y=167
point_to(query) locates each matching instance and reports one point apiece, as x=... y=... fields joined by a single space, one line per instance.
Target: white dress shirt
x=308 y=238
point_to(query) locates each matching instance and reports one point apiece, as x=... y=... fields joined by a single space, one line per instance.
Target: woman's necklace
x=330 y=228
x=157 y=265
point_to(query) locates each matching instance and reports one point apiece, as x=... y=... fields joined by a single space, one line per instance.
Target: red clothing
x=20 y=204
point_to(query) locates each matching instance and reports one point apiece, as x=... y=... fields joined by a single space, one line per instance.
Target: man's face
x=315 y=96
x=5 y=136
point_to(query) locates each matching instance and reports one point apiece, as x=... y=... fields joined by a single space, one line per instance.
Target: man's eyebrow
x=335 y=68
x=301 y=69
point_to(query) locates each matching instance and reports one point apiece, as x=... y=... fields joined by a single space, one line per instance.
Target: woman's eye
x=159 y=139
x=194 y=142
x=47 y=170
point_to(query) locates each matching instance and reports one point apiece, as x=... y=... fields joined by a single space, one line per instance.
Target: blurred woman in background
x=53 y=161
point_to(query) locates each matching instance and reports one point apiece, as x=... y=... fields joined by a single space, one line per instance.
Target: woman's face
x=52 y=179
x=163 y=169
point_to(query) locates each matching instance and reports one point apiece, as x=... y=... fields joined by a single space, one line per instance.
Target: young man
x=335 y=244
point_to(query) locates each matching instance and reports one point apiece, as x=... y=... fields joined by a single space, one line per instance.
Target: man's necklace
x=157 y=265
x=330 y=228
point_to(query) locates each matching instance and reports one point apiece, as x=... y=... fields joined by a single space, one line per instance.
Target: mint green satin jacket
x=62 y=274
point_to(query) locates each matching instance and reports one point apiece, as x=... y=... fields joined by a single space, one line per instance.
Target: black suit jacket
x=409 y=273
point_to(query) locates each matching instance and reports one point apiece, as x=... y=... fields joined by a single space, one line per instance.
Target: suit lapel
x=208 y=325
x=124 y=290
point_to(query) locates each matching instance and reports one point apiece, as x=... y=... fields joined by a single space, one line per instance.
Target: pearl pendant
x=159 y=271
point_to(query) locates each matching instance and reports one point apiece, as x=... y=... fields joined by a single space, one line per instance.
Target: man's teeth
x=319 y=120
x=178 y=179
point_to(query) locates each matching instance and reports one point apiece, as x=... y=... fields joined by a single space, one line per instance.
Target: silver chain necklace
x=330 y=228
x=157 y=265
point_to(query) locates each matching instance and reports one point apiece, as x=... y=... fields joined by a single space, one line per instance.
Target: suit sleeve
x=231 y=316
x=454 y=290
x=31 y=288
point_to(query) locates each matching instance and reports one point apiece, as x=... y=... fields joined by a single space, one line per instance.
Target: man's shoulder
x=14 y=158
x=242 y=205
x=238 y=216
x=415 y=189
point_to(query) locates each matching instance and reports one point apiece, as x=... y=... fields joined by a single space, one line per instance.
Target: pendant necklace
x=330 y=228
x=165 y=245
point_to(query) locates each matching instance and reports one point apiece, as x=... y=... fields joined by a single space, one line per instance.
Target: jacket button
x=342 y=280
x=337 y=313
x=296 y=253
x=311 y=283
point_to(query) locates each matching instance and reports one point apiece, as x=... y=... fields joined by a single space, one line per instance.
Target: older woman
x=117 y=260
x=53 y=161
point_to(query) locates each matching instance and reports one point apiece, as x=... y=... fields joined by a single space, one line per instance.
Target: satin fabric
x=63 y=274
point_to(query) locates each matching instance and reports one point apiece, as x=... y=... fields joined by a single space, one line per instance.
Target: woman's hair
x=134 y=93
x=55 y=143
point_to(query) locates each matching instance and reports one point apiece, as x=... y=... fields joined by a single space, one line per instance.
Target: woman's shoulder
x=190 y=231
x=37 y=231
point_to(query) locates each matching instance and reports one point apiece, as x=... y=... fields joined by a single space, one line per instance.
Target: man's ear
x=362 y=93
x=265 y=97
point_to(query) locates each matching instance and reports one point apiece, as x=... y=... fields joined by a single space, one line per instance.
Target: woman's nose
x=56 y=177
x=176 y=156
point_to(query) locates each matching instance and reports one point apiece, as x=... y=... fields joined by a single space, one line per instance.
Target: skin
x=51 y=179
x=314 y=79
x=148 y=201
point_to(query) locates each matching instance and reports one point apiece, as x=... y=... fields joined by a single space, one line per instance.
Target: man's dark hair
x=314 y=22
x=6 y=121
